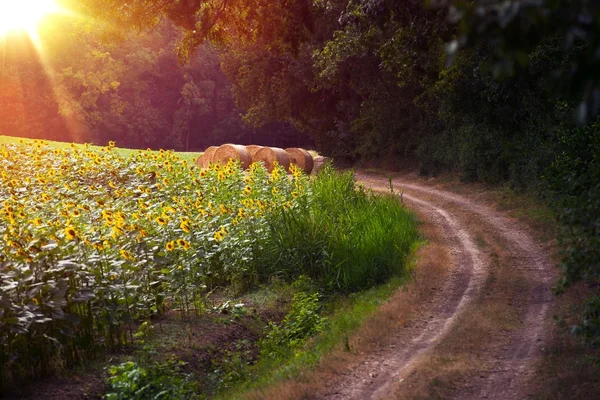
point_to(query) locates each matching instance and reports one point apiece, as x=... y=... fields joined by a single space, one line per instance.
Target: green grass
x=346 y=315
x=346 y=238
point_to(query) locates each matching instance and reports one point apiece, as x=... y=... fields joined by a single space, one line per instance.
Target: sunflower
x=170 y=246
x=116 y=232
x=161 y=220
x=185 y=226
x=127 y=255
x=70 y=232
x=184 y=244
x=220 y=234
x=223 y=210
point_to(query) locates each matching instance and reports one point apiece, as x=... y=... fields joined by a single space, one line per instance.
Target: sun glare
x=24 y=15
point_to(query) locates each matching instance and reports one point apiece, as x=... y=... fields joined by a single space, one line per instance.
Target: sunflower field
x=94 y=240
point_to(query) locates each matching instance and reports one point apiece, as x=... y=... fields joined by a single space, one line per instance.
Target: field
x=101 y=244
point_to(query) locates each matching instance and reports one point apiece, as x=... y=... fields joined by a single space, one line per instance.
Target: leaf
x=84 y=295
x=9 y=286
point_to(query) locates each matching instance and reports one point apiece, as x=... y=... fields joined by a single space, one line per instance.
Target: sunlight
x=24 y=15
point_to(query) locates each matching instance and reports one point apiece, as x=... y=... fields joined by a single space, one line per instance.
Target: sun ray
x=29 y=18
x=24 y=15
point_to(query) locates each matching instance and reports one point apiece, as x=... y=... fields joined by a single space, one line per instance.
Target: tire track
x=511 y=357
x=374 y=378
x=516 y=360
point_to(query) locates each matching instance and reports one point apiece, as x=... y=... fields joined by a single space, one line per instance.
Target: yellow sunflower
x=70 y=232
x=185 y=226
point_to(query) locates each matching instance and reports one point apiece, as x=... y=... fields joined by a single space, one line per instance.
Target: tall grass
x=344 y=237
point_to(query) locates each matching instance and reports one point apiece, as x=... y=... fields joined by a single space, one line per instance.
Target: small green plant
x=233 y=367
x=150 y=380
x=302 y=322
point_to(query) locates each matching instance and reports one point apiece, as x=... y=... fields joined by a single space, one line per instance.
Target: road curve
x=508 y=358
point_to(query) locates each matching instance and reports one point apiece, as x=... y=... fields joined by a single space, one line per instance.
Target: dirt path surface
x=484 y=327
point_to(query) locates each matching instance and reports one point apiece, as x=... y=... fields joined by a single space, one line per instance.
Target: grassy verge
x=344 y=316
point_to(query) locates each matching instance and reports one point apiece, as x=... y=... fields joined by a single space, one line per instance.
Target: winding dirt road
x=484 y=326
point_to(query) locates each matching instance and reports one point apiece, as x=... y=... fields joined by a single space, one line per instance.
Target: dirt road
x=483 y=328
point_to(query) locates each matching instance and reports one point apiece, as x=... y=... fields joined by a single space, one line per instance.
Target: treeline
x=74 y=85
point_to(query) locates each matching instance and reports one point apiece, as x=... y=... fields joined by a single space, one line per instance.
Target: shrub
x=133 y=381
x=302 y=322
x=339 y=235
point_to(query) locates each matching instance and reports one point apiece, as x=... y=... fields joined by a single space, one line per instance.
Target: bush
x=153 y=380
x=340 y=235
x=302 y=322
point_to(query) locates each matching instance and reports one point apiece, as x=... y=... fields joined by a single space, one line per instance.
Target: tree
x=515 y=29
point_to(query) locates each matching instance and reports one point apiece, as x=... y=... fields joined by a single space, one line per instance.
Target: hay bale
x=320 y=162
x=268 y=156
x=301 y=158
x=252 y=149
x=232 y=151
x=205 y=159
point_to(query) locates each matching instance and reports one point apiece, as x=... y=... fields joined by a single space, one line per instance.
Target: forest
x=504 y=94
x=87 y=90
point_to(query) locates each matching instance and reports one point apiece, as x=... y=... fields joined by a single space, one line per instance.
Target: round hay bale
x=252 y=149
x=301 y=158
x=205 y=159
x=232 y=151
x=268 y=156
x=320 y=163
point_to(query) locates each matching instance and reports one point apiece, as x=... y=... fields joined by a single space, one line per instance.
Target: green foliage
x=92 y=90
x=150 y=381
x=233 y=367
x=345 y=314
x=94 y=241
x=574 y=179
x=343 y=237
x=302 y=322
x=589 y=325
x=518 y=34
